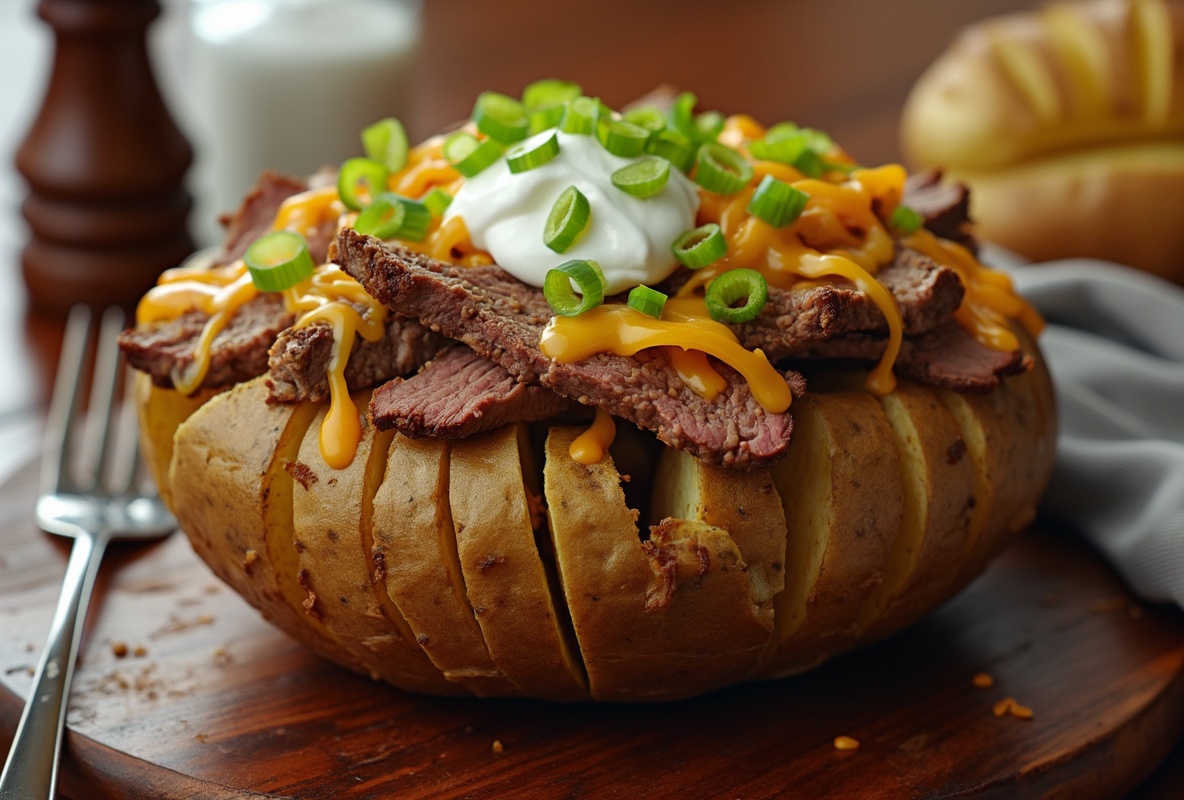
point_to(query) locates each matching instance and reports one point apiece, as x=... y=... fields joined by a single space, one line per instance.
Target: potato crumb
x=119 y=649
x=1008 y=705
x=846 y=743
x=140 y=651
x=1021 y=712
x=983 y=680
x=498 y=747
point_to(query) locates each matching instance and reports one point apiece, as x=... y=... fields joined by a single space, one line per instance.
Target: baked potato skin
x=766 y=575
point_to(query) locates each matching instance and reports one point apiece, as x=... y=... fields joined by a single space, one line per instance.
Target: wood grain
x=219 y=705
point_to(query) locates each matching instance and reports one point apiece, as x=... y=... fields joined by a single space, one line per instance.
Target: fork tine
x=67 y=386
x=104 y=385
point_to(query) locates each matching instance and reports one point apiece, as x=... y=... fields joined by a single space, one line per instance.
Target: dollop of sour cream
x=629 y=237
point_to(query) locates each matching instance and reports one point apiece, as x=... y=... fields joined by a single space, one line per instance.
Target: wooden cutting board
x=209 y=701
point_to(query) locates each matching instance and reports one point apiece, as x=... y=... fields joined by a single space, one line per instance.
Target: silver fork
x=93 y=507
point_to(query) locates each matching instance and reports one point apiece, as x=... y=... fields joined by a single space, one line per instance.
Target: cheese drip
x=589 y=446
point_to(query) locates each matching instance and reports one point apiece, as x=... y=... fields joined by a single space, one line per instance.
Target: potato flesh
x=413 y=529
x=331 y=534
x=504 y=576
x=161 y=411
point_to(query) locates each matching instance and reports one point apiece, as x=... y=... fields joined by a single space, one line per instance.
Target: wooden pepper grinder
x=104 y=162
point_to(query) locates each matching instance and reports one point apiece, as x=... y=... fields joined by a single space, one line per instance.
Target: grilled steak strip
x=459 y=394
x=256 y=216
x=298 y=363
x=947 y=356
x=238 y=352
x=945 y=207
x=498 y=323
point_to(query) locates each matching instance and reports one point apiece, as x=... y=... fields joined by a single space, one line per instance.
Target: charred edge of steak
x=945 y=207
x=256 y=216
x=237 y=354
x=502 y=319
x=459 y=394
x=948 y=357
x=298 y=363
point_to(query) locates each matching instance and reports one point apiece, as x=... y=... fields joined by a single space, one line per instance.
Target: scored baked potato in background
x=436 y=567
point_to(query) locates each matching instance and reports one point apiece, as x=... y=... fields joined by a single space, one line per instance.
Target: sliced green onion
x=673 y=146
x=783 y=150
x=621 y=138
x=357 y=175
x=811 y=164
x=386 y=142
x=700 y=246
x=278 y=260
x=649 y=117
x=392 y=216
x=579 y=115
x=589 y=281
x=782 y=130
x=644 y=178
x=469 y=154
x=905 y=219
x=546 y=117
x=549 y=92
x=708 y=126
x=682 y=114
x=567 y=220
x=528 y=155
x=437 y=201
x=730 y=288
x=500 y=117
x=776 y=202
x=647 y=301
x=721 y=169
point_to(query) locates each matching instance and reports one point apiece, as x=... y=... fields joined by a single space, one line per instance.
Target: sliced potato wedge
x=161 y=411
x=415 y=539
x=504 y=575
x=343 y=586
x=841 y=489
x=233 y=497
x=666 y=618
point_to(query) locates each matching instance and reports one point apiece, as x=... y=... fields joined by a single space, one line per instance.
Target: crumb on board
x=140 y=651
x=846 y=743
x=983 y=680
x=1008 y=705
x=498 y=747
x=119 y=649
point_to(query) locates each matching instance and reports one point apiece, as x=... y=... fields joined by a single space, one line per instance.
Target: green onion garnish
x=547 y=117
x=437 y=201
x=278 y=260
x=549 y=92
x=700 y=246
x=357 y=175
x=708 y=126
x=386 y=142
x=469 y=154
x=527 y=155
x=905 y=219
x=501 y=118
x=589 y=281
x=721 y=169
x=681 y=114
x=730 y=288
x=783 y=150
x=776 y=202
x=392 y=216
x=646 y=300
x=568 y=218
x=621 y=138
x=782 y=130
x=673 y=146
x=579 y=115
x=644 y=178
x=649 y=117
x=801 y=148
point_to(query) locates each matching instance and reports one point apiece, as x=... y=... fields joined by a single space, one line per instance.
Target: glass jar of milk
x=289 y=84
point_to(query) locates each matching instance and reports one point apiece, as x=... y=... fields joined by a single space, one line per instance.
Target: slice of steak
x=926 y=293
x=458 y=394
x=238 y=352
x=256 y=216
x=298 y=362
x=945 y=207
x=498 y=322
x=947 y=356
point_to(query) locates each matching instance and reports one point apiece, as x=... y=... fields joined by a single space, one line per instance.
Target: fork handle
x=31 y=769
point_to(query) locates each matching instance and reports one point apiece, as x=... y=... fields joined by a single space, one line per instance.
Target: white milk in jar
x=289 y=84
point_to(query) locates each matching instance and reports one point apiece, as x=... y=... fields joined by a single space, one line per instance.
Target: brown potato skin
x=460 y=581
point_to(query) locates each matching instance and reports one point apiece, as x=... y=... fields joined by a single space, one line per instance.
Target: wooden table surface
x=844 y=66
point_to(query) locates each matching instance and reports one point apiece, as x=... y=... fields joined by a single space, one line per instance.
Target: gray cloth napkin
x=1115 y=346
